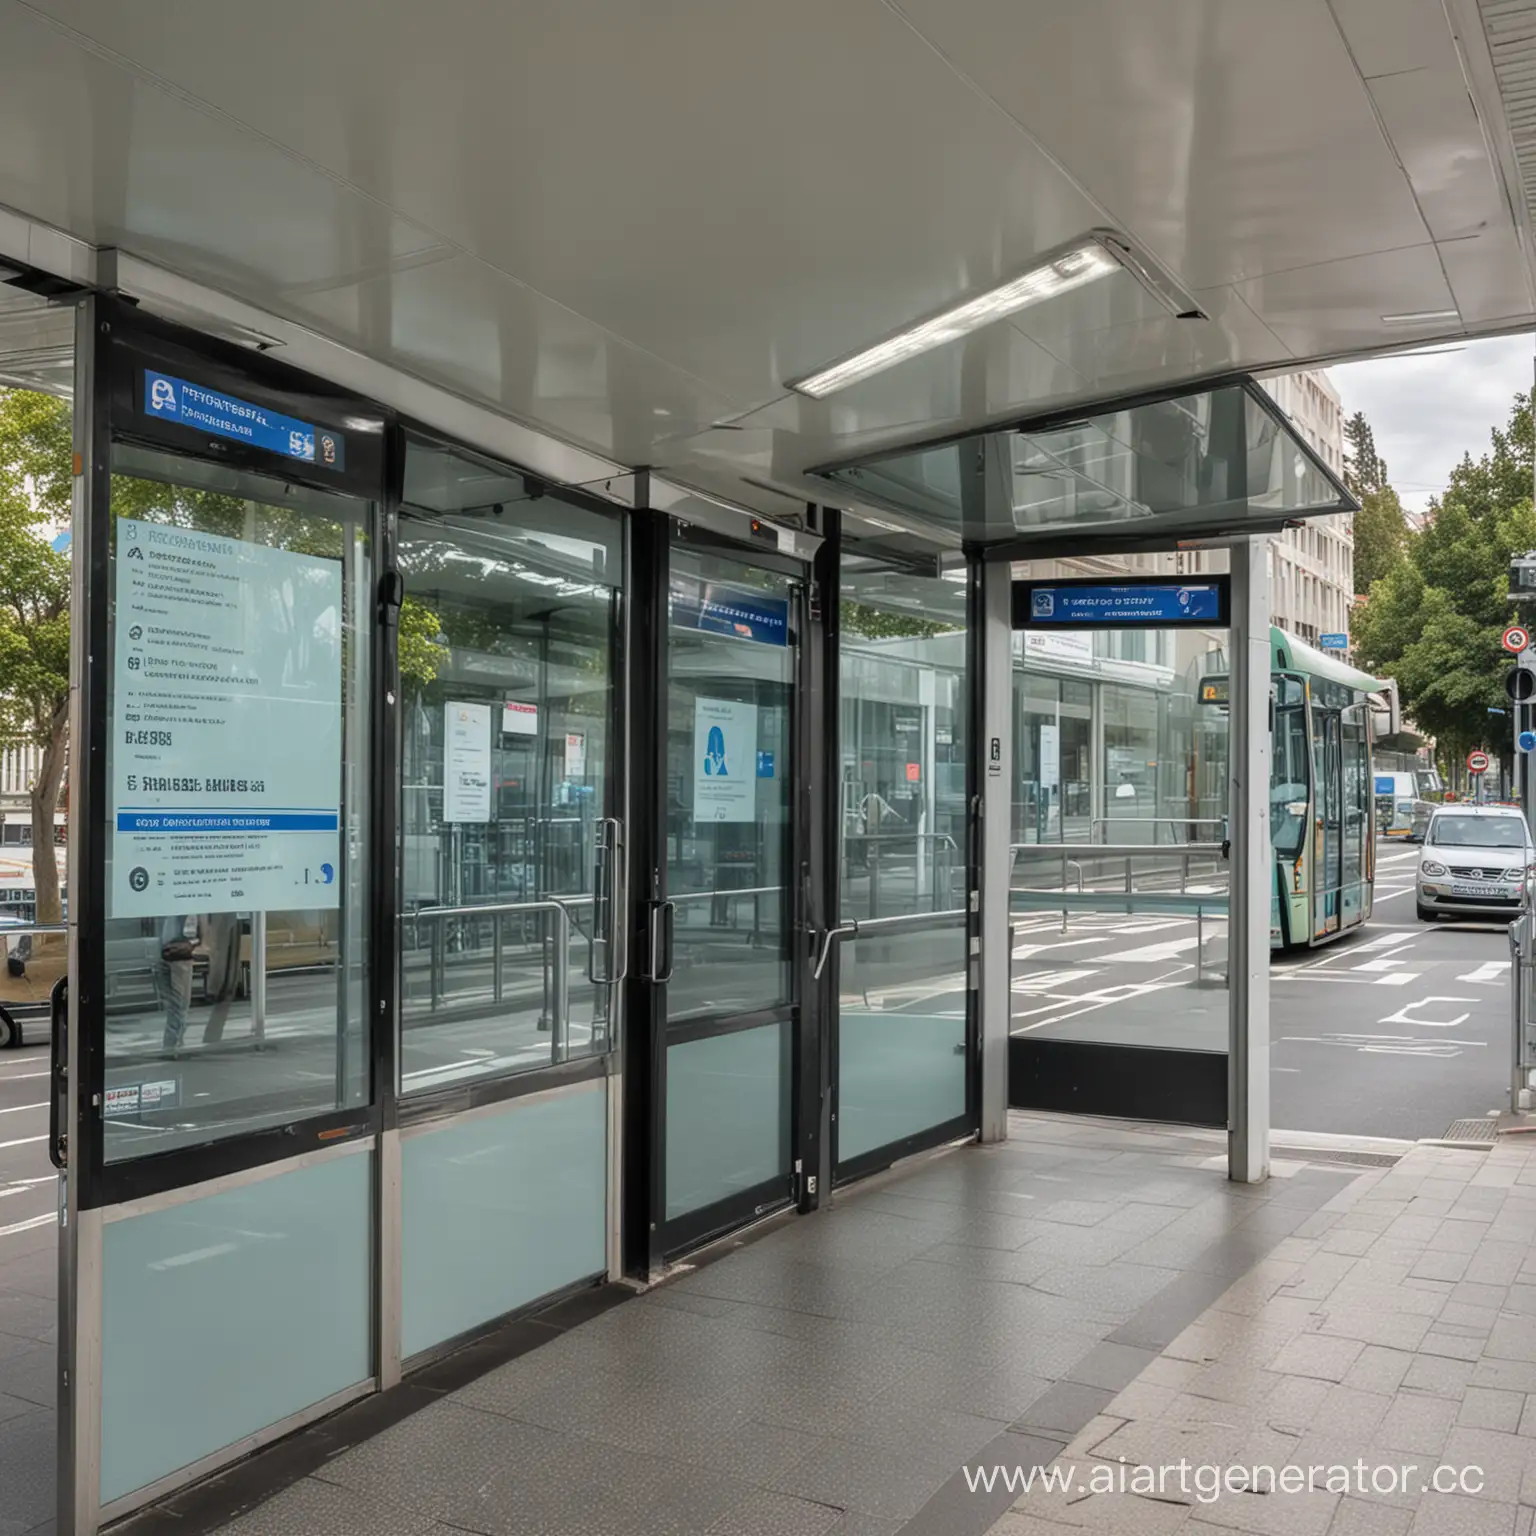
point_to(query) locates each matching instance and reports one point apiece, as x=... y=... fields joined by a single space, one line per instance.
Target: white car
x=1478 y=861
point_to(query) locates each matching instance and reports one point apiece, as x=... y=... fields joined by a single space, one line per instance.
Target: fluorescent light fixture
x=1072 y=268
x=1421 y=317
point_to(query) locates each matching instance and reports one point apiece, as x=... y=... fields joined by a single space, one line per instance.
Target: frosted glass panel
x=727 y=1115
x=898 y=1074
x=500 y=1210
x=229 y=1313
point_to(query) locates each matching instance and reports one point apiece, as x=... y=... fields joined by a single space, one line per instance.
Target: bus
x=1321 y=793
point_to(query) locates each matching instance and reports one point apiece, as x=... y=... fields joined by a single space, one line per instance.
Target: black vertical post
x=643 y=1197
x=819 y=835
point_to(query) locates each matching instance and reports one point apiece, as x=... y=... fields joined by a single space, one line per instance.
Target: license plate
x=1461 y=888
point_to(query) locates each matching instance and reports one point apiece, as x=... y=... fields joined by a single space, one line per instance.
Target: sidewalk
x=1395 y=1327
x=832 y=1376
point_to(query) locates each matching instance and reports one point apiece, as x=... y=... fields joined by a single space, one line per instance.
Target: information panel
x=168 y=398
x=1149 y=603
x=740 y=612
x=724 y=753
x=226 y=726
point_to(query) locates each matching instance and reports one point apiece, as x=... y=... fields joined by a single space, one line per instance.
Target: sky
x=1426 y=410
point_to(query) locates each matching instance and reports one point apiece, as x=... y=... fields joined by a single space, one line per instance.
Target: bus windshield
x=1479 y=831
x=1288 y=780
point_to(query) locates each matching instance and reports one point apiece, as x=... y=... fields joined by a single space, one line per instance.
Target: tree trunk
x=45 y=800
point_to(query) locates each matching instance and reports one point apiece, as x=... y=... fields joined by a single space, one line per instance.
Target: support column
x=1251 y=869
x=994 y=833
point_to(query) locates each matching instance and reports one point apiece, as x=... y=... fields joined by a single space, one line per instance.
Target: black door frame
x=650 y=1240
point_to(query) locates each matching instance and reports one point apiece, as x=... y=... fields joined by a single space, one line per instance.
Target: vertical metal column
x=1252 y=874
x=994 y=741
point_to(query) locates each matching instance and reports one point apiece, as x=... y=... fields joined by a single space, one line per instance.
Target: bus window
x=1288 y=780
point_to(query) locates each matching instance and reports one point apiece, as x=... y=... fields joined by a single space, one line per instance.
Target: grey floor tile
x=313 y=1506
x=1111 y=1366
x=1163 y=1317
x=1361 y=1517
x=1450 y=1515
x=1065 y=1408
x=776 y=1514
x=872 y=1479
x=27 y=1450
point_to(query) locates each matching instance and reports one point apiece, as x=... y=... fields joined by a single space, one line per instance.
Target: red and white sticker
x=1477 y=762
x=1516 y=638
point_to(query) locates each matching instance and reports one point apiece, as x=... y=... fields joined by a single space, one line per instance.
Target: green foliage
x=1379 y=528
x=1364 y=469
x=1435 y=618
x=880 y=624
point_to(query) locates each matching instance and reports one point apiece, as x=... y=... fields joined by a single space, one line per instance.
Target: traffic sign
x=1516 y=638
x=1334 y=642
x=1477 y=762
x=1527 y=741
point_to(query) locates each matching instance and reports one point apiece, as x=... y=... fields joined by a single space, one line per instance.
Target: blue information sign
x=1334 y=642
x=1097 y=605
x=1528 y=741
x=1385 y=784
x=741 y=612
x=167 y=398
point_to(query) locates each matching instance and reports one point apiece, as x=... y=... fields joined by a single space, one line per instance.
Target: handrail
x=490 y=909
x=25 y=930
x=1185 y=851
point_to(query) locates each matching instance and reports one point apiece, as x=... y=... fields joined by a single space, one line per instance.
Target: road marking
x=27 y=1226
x=1383 y=962
x=1044 y=981
x=1388 y=1045
x=1156 y=954
x=1398 y=978
x=26 y=1141
x=1388 y=895
x=1025 y=951
x=16 y=1077
x=1398 y=939
x=1490 y=972
x=1402 y=1016
x=16 y=1109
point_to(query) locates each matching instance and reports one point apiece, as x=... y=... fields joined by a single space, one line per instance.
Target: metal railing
x=1522 y=986
x=557 y=974
x=1155 y=822
x=935 y=857
x=856 y=928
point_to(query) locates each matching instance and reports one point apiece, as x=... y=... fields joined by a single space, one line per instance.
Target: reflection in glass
x=506 y=640
x=223 y=1014
x=904 y=738
x=728 y=771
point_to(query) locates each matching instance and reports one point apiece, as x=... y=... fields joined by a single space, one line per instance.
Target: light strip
x=1421 y=317
x=1060 y=274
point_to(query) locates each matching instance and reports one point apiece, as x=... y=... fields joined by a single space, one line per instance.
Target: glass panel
x=728 y=779
x=267 y=1286
x=1328 y=835
x=905 y=734
x=1356 y=811
x=479 y=1237
x=727 y=1115
x=506 y=661
x=1120 y=909
x=1289 y=786
x=1212 y=459
x=901 y=1034
x=237 y=865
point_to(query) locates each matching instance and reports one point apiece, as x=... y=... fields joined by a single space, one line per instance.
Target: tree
x=35 y=462
x=1379 y=527
x=1434 y=620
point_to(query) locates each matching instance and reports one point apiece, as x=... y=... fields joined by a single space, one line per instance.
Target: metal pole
x=1252 y=870
x=994 y=741
x=259 y=977
x=561 y=1005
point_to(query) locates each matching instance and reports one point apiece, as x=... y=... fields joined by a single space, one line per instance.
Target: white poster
x=724 y=760
x=518 y=719
x=226 y=726
x=575 y=755
x=1046 y=645
x=466 y=762
x=1050 y=756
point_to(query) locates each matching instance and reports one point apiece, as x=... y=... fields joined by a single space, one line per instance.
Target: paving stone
x=1438 y=1376
x=1378 y=1369
x=1417 y=1424
x=1503 y=1461
x=1360 y=1517
x=1488 y=1408
x=1315 y=1355
x=1453 y=1515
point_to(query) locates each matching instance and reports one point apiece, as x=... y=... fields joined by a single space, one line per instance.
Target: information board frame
x=1028 y=605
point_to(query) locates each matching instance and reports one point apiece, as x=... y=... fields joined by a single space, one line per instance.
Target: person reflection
x=173 y=978
x=219 y=934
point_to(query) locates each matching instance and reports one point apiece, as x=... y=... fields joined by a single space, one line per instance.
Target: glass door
x=720 y=933
x=1328 y=846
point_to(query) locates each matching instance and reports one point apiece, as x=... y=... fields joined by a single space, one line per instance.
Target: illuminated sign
x=1133 y=604
x=167 y=398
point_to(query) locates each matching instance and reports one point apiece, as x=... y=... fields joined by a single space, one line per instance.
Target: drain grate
x=1486 y=1131
x=1328 y=1155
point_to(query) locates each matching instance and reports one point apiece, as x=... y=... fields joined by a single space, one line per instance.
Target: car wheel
x=1426 y=916
x=10 y=1031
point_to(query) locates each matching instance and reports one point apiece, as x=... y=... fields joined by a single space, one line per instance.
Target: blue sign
x=741 y=612
x=1095 y=605
x=1334 y=642
x=227 y=821
x=1528 y=741
x=1385 y=784
x=765 y=765
x=167 y=398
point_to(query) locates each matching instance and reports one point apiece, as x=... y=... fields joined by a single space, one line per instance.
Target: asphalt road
x=27 y=1198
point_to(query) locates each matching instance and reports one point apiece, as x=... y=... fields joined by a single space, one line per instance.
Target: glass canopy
x=1224 y=460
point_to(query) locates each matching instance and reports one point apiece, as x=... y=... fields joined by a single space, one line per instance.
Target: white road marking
x=1045 y=981
x=26 y=1141
x=1383 y=962
x=1398 y=978
x=27 y=1226
x=1402 y=1016
x=1399 y=937
x=16 y=1109
x=1157 y=954
x=1491 y=972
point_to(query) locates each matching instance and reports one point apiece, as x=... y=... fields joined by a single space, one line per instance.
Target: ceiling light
x=1421 y=317
x=1069 y=269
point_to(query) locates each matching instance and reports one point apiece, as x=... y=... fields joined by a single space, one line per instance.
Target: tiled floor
x=28 y=1385
x=833 y=1376
x=1395 y=1327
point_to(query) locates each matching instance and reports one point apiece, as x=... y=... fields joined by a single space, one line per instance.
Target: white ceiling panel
x=1394 y=37
x=1489 y=277
x=1337 y=309
x=1231 y=136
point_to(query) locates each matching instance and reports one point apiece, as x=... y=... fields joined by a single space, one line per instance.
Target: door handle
x=608 y=904
x=58 y=1073
x=843 y=931
x=663 y=917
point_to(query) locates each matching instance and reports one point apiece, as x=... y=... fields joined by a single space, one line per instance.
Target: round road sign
x=1477 y=762
x=1516 y=638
